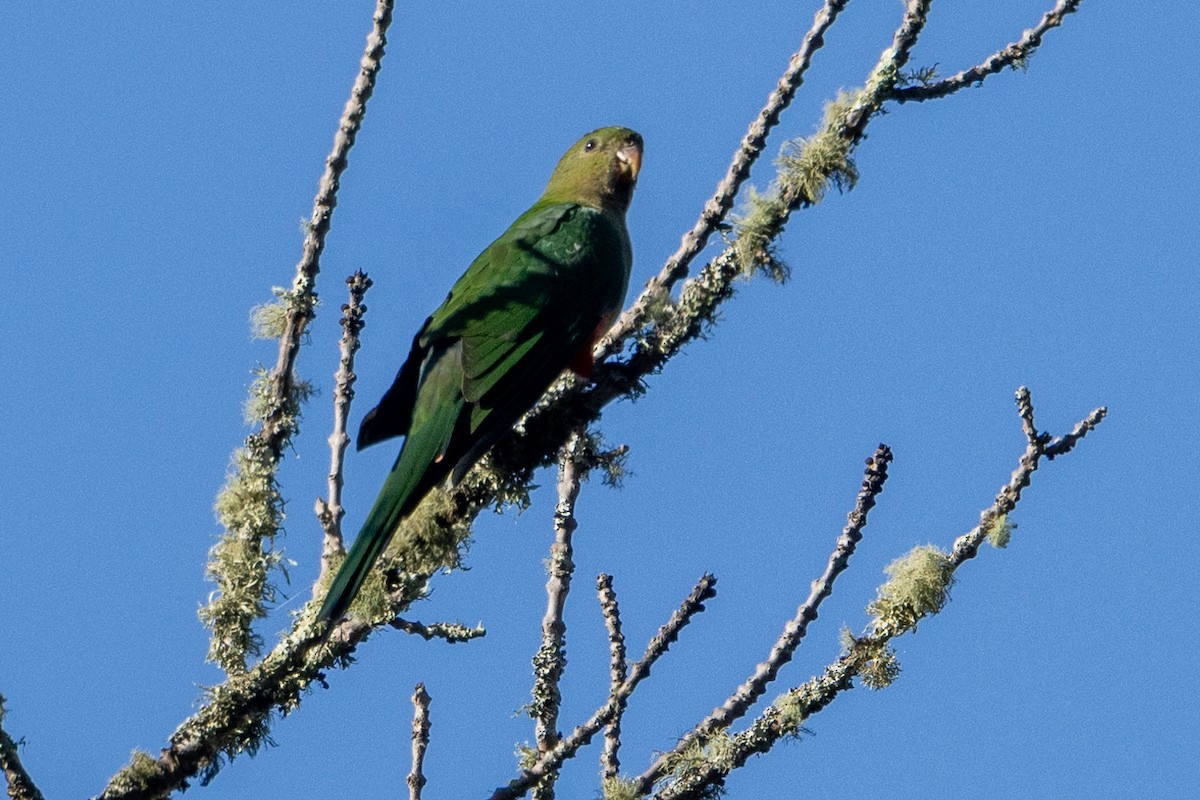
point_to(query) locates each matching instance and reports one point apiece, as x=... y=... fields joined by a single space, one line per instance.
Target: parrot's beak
x=630 y=157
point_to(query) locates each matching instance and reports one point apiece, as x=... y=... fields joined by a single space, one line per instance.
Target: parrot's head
x=599 y=170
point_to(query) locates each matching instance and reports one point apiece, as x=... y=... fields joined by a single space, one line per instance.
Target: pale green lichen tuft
x=919 y=585
x=372 y=601
x=269 y=320
x=614 y=467
x=593 y=453
x=431 y=538
x=508 y=489
x=134 y=778
x=617 y=788
x=713 y=751
x=527 y=755
x=919 y=76
x=999 y=532
x=880 y=667
x=874 y=659
x=250 y=509
x=754 y=248
x=847 y=638
x=258 y=399
x=792 y=710
x=262 y=404
x=807 y=168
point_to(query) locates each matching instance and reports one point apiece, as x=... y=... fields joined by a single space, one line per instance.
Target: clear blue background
x=1040 y=230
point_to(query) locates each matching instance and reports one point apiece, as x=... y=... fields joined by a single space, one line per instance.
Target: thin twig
x=420 y=741
x=449 y=631
x=1061 y=445
x=1025 y=411
x=610 y=762
x=785 y=716
x=551 y=658
x=20 y=785
x=886 y=73
x=719 y=205
x=582 y=735
x=781 y=653
x=1013 y=55
x=330 y=513
x=668 y=634
x=1037 y=445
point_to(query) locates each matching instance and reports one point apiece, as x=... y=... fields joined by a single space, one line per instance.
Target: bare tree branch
x=420 y=741
x=551 y=658
x=449 y=631
x=699 y=776
x=771 y=726
x=610 y=763
x=1039 y=445
x=582 y=735
x=232 y=635
x=781 y=653
x=303 y=292
x=330 y=513
x=1014 y=55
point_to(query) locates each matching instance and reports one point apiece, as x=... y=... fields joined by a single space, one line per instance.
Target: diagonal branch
x=1039 y=445
x=303 y=293
x=787 y=714
x=1014 y=55
x=718 y=206
x=582 y=735
x=241 y=595
x=781 y=653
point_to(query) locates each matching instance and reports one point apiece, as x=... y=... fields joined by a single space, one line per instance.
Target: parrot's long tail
x=368 y=546
x=421 y=465
x=397 y=500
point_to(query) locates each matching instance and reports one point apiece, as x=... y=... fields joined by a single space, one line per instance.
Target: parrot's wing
x=493 y=280
x=553 y=288
x=521 y=310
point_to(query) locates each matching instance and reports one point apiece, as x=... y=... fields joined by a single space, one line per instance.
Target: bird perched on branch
x=533 y=304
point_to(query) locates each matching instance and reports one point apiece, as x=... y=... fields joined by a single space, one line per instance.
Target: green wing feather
x=507 y=329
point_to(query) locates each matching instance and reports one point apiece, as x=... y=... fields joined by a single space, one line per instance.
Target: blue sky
x=1037 y=231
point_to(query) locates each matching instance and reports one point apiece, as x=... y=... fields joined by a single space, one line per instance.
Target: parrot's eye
x=589 y=145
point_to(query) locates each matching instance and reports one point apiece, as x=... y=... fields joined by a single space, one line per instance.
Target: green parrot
x=533 y=304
